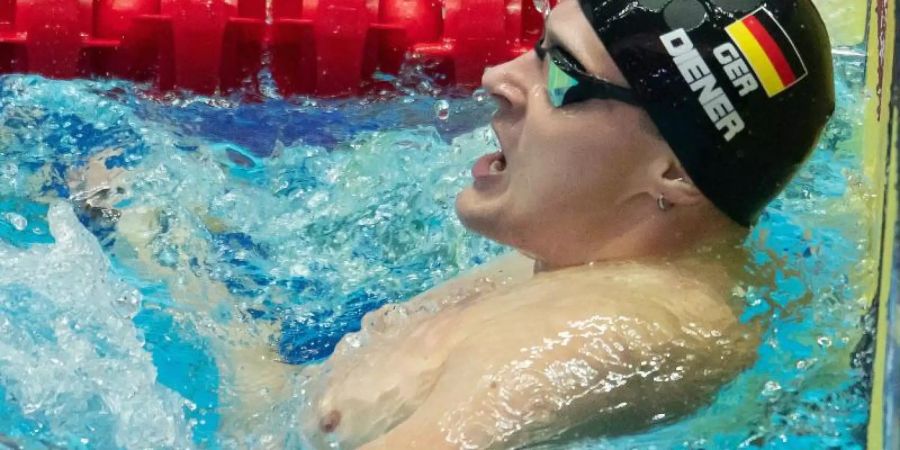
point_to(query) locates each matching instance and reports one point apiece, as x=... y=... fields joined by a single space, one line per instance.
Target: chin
x=477 y=215
x=488 y=219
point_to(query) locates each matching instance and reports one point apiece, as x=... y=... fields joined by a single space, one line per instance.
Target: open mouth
x=489 y=165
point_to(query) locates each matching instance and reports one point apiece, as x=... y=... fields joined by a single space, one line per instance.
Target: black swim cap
x=740 y=89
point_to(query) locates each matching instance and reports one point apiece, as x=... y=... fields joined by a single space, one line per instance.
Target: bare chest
x=377 y=379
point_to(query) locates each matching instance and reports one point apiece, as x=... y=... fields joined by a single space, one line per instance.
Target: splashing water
x=151 y=224
x=67 y=323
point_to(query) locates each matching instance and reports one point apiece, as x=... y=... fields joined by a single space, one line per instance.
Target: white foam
x=70 y=355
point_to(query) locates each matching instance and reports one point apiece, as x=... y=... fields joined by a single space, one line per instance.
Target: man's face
x=566 y=175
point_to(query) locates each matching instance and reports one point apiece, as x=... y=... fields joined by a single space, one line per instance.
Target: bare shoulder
x=669 y=298
x=501 y=273
x=506 y=270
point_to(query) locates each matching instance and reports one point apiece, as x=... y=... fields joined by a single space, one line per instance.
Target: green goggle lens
x=558 y=83
x=567 y=81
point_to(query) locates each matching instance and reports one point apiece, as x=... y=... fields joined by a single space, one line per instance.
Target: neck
x=721 y=241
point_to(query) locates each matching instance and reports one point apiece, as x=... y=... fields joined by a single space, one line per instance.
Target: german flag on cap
x=769 y=50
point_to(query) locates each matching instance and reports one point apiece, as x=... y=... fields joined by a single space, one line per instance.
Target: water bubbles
x=824 y=341
x=300 y=270
x=771 y=388
x=168 y=256
x=543 y=7
x=8 y=173
x=425 y=86
x=16 y=220
x=480 y=95
x=442 y=109
x=805 y=364
x=128 y=303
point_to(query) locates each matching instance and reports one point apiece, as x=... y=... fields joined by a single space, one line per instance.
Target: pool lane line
x=880 y=74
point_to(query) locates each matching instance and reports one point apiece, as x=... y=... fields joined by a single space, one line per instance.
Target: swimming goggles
x=569 y=82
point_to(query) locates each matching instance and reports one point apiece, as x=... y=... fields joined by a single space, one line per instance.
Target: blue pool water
x=309 y=214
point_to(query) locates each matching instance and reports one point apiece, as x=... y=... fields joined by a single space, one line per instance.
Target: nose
x=508 y=83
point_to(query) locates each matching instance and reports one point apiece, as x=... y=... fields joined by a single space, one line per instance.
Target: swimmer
x=639 y=141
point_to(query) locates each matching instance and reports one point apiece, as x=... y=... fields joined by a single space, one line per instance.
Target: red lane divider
x=315 y=47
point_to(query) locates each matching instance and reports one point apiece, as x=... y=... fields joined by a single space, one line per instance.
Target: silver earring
x=661 y=203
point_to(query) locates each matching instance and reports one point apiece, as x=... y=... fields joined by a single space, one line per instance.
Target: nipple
x=330 y=421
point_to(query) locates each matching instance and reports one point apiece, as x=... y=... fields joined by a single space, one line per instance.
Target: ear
x=671 y=181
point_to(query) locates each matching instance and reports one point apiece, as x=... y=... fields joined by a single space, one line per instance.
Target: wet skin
x=602 y=349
